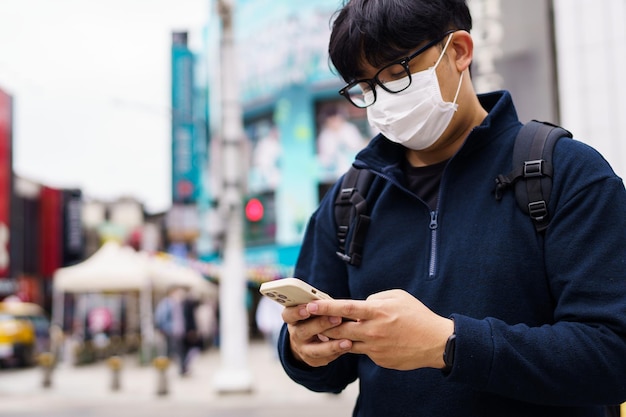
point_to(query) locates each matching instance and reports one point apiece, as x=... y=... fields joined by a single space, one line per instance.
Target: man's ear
x=463 y=47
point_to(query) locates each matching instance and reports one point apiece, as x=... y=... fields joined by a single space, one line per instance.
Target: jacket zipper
x=432 y=268
x=433 y=226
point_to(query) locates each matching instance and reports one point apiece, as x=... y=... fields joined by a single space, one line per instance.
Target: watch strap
x=448 y=353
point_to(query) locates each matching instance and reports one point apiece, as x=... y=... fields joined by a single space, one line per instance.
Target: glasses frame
x=404 y=62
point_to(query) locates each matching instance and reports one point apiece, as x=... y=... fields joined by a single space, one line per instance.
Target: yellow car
x=23 y=331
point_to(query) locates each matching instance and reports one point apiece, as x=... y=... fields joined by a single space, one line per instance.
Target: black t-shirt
x=424 y=181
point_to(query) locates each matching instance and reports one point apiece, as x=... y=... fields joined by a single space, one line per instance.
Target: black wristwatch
x=448 y=353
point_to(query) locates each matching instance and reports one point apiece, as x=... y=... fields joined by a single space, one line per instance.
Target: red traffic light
x=254 y=210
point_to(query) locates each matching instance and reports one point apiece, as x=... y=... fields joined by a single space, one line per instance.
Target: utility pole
x=234 y=374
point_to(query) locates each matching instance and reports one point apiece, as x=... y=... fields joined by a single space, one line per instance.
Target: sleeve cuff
x=474 y=351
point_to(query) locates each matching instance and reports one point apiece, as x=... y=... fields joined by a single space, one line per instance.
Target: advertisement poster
x=342 y=131
x=264 y=142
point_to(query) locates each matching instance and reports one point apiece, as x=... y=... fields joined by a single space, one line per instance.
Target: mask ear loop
x=443 y=52
x=458 y=89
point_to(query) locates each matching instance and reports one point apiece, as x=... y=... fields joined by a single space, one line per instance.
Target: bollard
x=116 y=345
x=46 y=361
x=115 y=364
x=161 y=363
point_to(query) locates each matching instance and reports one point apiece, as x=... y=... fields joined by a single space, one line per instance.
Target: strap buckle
x=533 y=168
x=538 y=210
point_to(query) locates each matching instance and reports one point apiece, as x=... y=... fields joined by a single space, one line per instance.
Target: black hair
x=380 y=31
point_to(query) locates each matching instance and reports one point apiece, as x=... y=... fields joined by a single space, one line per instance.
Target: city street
x=86 y=392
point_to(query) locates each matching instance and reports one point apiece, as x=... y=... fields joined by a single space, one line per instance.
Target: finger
x=307 y=329
x=350 y=309
x=294 y=314
x=319 y=354
x=350 y=330
x=359 y=348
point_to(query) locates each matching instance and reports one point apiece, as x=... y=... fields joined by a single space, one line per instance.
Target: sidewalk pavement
x=90 y=386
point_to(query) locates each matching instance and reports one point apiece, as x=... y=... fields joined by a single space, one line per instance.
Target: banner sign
x=185 y=175
x=6 y=175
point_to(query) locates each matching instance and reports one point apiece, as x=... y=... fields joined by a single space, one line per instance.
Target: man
x=169 y=317
x=459 y=307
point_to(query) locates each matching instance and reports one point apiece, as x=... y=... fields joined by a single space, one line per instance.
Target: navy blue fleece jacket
x=540 y=319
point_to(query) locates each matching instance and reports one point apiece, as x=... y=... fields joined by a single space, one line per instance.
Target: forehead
x=367 y=70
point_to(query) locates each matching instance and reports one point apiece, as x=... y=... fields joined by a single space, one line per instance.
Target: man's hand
x=308 y=344
x=393 y=328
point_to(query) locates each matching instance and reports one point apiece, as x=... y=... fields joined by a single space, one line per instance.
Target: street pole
x=234 y=374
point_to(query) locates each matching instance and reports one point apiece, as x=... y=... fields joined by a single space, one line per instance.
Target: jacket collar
x=385 y=156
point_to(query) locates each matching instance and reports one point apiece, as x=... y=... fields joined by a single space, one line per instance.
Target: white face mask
x=417 y=116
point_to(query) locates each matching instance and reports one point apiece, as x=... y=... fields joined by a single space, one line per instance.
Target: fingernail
x=334 y=320
x=303 y=312
x=322 y=337
x=312 y=307
x=345 y=344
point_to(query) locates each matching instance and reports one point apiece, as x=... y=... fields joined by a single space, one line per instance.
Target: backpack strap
x=350 y=205
x=532 y=163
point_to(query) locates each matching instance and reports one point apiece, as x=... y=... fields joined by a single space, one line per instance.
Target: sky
x=91 y=87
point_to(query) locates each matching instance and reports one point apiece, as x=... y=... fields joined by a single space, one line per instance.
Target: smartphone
x=292 y=292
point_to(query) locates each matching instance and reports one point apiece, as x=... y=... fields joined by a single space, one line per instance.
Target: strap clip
x=533 y=168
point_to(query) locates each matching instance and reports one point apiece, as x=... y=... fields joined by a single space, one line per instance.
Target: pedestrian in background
x=169 y=319
x=191 y=341
x=459 y=307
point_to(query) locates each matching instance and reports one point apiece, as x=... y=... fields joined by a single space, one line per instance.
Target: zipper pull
x=433 y=220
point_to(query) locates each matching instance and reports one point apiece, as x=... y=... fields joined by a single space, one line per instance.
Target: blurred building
x=559 y=59
x=121 y=221
x=590 y=38
x=50 y=228
x=40 y=226
x=45 y=234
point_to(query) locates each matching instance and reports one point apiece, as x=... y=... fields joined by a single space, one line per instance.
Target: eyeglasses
x=393 y=78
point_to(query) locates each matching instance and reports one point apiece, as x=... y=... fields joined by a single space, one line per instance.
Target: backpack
x=531 y=178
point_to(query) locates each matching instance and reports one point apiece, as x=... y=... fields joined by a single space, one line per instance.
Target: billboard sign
x=6 y=175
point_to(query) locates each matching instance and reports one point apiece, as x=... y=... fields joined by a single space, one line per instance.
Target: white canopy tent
x=112 y=268
x=115 y=268
x=120 y=269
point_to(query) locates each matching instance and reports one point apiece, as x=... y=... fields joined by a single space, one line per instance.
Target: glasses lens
x=360 y=94
x=395 y=78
